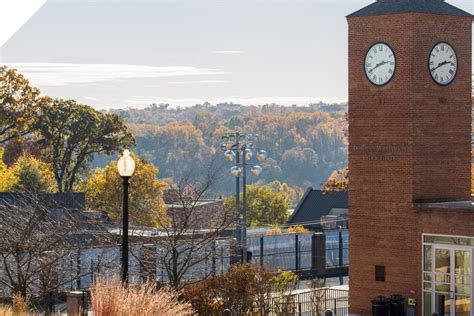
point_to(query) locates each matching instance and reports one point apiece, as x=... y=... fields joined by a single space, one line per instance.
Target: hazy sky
x=129 y=53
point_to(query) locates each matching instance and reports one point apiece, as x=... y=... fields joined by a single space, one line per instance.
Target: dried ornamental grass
x=112 y=299
x=19 y=307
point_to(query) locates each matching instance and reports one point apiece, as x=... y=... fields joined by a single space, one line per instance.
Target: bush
x=243 y=289
x=274 y=231
x=297 y=229
x=283 y=283
x=112 y=299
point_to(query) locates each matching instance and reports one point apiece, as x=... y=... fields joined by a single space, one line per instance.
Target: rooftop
x=315 y=204
x=409 y=6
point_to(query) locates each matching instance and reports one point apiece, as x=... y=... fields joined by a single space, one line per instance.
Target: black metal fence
x=311 y=302
x=295 y=252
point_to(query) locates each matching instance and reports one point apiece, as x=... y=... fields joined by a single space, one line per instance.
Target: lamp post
x=126 y=168
x=235 y=146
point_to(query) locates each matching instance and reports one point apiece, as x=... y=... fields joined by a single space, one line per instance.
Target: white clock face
x=443 y=63
x=380 y=64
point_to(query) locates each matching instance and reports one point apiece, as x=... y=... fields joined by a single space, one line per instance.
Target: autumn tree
x=293 y=194
x=73 y=133
x=305 y=164
x=179 y=149
x=264 y=205
x=28 y=174
x=20 y=105
x=6 y=178
x=104 y=193
x=207 y=124
x=21 y=146
x=337 y=181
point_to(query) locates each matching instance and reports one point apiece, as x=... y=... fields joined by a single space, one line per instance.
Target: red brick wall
x=429 y=124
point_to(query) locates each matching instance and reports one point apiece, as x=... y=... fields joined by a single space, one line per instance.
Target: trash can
x=380 y=306
x=397 y=305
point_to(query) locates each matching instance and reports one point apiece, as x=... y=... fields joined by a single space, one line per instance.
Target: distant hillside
x=305 y=144
x=160 y=114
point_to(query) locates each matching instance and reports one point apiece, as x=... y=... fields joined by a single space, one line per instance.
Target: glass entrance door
x=452 y=276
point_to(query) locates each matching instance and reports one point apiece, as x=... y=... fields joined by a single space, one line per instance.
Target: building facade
x=411 y=216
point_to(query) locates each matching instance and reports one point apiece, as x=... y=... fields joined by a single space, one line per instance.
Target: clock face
x=380 y=64
x=443 y=63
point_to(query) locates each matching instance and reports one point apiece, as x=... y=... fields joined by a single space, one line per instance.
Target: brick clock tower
x=411 y=219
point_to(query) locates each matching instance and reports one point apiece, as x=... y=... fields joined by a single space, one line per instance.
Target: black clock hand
x=440 y=65
x=378 y=65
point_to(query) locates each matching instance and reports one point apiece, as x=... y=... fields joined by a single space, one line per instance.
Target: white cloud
x=57 y=74
x=228 y=52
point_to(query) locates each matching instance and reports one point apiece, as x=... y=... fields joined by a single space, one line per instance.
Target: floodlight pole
x=243 y=215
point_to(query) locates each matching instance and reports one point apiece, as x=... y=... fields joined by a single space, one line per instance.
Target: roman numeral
x=442 y=48
x=380 y=48
x=451 y=71
x=390 y=71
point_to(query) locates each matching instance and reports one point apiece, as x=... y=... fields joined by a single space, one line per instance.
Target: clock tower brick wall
x=442 y=114
x=408 y=140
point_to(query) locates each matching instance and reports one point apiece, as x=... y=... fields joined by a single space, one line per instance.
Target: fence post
x=297 y=253
x=341 y=257
x=213 y=264
x=72 y=279
x=222 y=260
x=92 y=273
x=261 y=251
x=318 y=252
x=76 y=304
x=335 y=306
x=78 y=269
